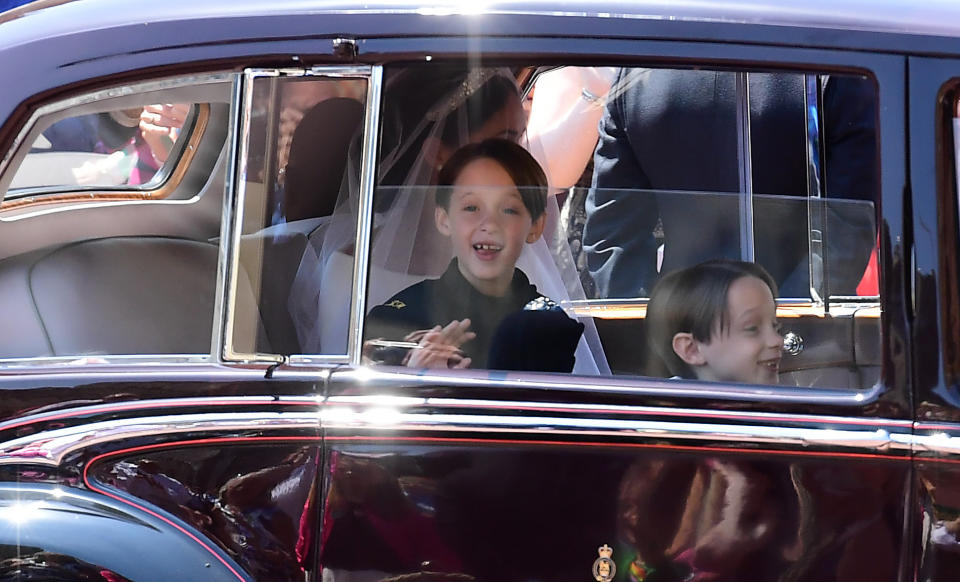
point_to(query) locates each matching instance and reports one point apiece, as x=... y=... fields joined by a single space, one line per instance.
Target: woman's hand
x=160 y=126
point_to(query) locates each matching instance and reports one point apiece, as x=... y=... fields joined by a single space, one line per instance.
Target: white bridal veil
x=427 y=111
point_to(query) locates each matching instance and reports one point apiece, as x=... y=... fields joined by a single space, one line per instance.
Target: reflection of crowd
x=139 y=140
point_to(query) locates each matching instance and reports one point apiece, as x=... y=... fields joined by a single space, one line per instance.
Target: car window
x=115 y=148
x=688 y=165
x=955 y=126
x=303 y=145
x=109 y=149
x=91 y=272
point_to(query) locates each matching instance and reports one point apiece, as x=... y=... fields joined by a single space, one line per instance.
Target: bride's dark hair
x=418 y=98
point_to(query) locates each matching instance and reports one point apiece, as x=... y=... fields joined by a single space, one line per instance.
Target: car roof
x=926 y=17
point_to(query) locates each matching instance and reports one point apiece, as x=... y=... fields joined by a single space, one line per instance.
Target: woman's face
x=509 y=123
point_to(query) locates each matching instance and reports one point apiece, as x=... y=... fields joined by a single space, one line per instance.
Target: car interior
x=116 y=271
x=88 y=274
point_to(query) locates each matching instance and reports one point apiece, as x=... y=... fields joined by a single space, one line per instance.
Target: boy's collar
x=452 y=276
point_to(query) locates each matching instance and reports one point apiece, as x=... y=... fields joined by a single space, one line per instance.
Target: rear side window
x=109 y=146
x=125 y=147
x=91 y=266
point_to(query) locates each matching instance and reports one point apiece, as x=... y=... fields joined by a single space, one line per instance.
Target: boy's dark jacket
x=508 y=337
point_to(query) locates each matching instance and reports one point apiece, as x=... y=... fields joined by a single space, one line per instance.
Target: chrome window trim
x=109 y=93
x=49 y=448
x=342 y=71
x=233 y=218
x=121 y=360
x=307 y=360
x=57 y=363
x=745 y=167
x=364 y=229
x=812 y=114
x=139 y=372
x=226 y=265
x=373 y=76
x=395 y=377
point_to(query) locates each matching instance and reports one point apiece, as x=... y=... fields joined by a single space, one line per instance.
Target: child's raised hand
x=440 y=347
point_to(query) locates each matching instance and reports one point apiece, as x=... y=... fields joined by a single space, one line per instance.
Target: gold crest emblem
x=397 y=304
x=603 y=568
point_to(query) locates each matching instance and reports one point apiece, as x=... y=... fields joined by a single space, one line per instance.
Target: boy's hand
x=440 y=347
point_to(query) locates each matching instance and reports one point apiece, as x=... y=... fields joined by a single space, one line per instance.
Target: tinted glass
x=117 y=148
x=303 y=152
x=648 y=172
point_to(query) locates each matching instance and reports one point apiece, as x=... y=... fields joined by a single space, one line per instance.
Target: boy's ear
x=688 y=349
x=442 y=220
x=536 y=230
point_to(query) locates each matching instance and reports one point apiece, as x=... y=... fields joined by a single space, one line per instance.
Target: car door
x=487 y=474
x=933 y=166
x=130 y=449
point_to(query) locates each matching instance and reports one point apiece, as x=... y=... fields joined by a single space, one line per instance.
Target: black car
x=203 y=203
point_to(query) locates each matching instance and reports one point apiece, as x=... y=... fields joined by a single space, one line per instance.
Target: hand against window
x=440 y=347
x=160 y=125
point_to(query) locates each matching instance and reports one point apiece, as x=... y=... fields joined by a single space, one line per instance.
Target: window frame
x=171 y=172
x=888 y=71
x=373 y=76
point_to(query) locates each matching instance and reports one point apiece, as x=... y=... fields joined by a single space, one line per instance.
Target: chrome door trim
x=620 y=410
x=135 y=370
x=170 y=406
x=50 y=448
x=937 y=439
x=398 y=377
x=385 y=419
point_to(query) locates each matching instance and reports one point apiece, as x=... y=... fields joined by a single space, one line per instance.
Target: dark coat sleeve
x=394 y=320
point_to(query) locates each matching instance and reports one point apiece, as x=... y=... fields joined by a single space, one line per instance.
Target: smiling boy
x=490 y=203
